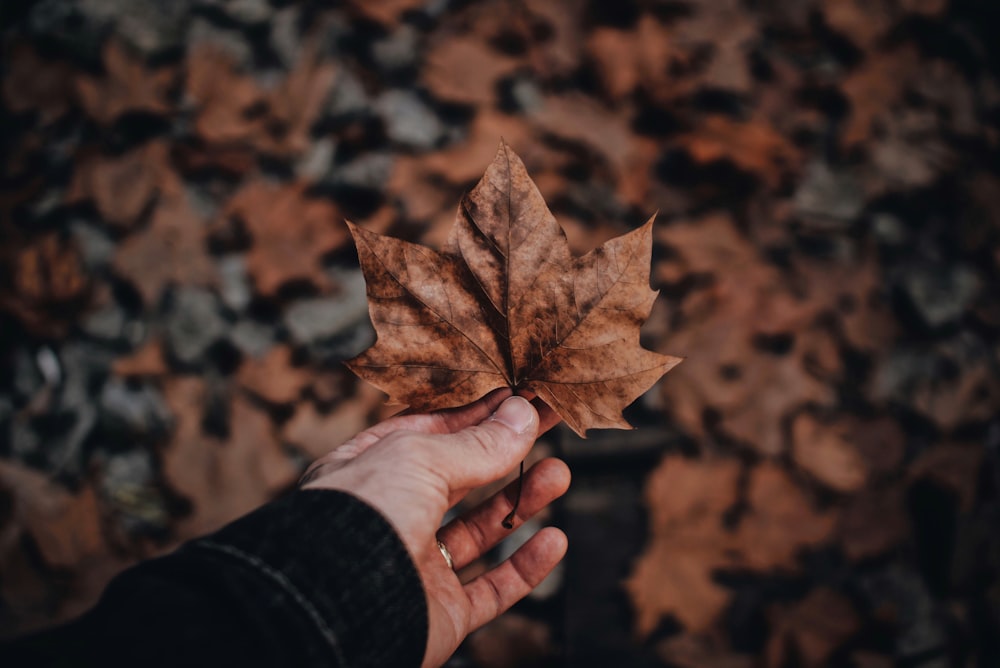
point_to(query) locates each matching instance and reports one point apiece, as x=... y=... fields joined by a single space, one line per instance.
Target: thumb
x=487 y=451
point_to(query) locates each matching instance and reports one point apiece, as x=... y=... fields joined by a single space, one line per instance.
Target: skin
x=413 y=468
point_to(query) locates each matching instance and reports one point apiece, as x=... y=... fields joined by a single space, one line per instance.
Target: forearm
x=317 y=578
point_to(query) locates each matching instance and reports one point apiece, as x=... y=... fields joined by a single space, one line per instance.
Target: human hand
x=413 y=468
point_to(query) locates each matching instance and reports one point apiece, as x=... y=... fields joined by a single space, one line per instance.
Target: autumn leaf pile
x=178 y=290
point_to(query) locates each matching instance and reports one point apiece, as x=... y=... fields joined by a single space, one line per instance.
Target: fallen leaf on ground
x=828 y=453
x=811 y=629
x=222 y=480
x=465 y=70
x=43 y=283
x=954 y=466
x=874 y=89
x=233 y=109
x=53 y=552
x=506 y=305
x=126 y=87
x=717 y=330
x=316 y=433
x=171 y=250
x=146 y=360
x=686 y=501
x=290 y=231
x=225 y=99
x=753 y=146
x=781 y=521
x=273 y=377
x=124 y=187
x=873 y=522
x=32 y=83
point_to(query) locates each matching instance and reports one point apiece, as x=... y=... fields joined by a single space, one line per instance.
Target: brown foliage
x=507 y=305
x=290 y=233
x=124 y=187
x=127 y=86
x=43 y=283
x=222 y=479
x=691 y=540
x=171 y=250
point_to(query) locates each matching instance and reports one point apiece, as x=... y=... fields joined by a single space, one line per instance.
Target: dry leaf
x=223 y=480
x=953 y=465
x=127 y=87
x=147 y=360
x=291 y=233
x=864 y=23
x=873 y=522
x=124 y=187
x=626 y=60
x=716 y=331
x=43 y=283
x=273 y=378
x=465 y=70
x=387 y=12
x=577 y=118
x=317 y=433
x=171 y=250
x=686 y=501
x=66 y=528
x=507 y=305
x=225 y=100
x=753 y=146
x=809 y=631
x=296 y=104
x=54 y=556
x=233 y=109
x=874 y=89
x=781 y=521
x=828 y=453
x=34 y=84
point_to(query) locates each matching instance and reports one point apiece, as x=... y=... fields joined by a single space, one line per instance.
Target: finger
x=450 y=420
x=469 y=536
x=493 y=592
x=485 y=452
x=440 y=422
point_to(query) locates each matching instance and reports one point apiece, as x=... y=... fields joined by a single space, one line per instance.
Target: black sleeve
x=317 y=578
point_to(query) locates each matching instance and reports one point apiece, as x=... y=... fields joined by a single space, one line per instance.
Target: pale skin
x=413 y=468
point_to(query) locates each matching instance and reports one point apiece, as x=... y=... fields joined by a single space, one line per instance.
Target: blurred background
x=816 y=485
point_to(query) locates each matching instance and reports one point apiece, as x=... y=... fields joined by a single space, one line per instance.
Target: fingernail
x=516 y=413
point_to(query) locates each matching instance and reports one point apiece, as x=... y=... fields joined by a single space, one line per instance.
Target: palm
x=413 y=479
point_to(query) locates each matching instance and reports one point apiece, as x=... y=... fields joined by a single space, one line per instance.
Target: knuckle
x=402 y=448
x=485 y=439
x=475 y=533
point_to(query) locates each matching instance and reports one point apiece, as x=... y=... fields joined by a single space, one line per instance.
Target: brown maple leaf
x=128 y=86
x=291 y=233
x=124 y=187
x=171 y=250
x=506 y=304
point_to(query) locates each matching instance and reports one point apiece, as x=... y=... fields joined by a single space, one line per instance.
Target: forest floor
x=817 y=484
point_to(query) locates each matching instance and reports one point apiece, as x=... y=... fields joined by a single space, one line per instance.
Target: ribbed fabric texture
x=317 y=578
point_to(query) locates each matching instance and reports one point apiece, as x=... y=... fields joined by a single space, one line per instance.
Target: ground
x=816 y=484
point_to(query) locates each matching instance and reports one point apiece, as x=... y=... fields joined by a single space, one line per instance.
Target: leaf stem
x=508 y=522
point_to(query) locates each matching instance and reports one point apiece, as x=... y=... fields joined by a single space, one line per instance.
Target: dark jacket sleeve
x=317 y=578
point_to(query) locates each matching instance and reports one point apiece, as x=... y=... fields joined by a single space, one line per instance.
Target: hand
x=413 y=468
